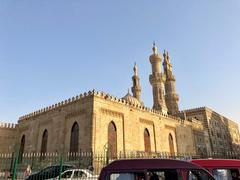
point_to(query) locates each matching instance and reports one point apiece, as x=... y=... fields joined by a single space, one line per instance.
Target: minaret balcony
x=172 y=96
x=156 y=78
x=155 y=58
x=170 y=77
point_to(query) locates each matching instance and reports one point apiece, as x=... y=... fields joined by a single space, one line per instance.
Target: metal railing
x=14 y=166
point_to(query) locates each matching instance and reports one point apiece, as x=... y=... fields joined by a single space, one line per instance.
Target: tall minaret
x=171 y=96
x=136 y=88
x=157 y=81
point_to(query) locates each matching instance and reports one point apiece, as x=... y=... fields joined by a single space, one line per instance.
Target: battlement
x=57 y=105
x=136 y=106
x=194 y=109
x=100 y=94
x=7 y=125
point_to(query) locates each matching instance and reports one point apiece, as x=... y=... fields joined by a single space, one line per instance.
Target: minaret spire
x=136 y=88
x=171 y=97
x=154 y=48
x=157 y=81
x=135 y=69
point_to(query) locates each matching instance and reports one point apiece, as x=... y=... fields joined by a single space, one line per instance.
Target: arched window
x=171 y=145
x=21 y=150
x=44 y=143
x=112 y=140
x=74 y=138
x=147 y=142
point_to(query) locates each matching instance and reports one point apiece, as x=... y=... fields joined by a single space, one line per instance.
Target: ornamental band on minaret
x=157 y=80
x=171 y=97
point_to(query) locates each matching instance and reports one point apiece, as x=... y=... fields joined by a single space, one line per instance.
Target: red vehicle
x=227 y=169
x=153 y=169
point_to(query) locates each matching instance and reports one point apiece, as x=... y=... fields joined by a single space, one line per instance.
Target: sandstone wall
x=7 y=137
x=58 y=121
x=93 y=112
x=131 y=122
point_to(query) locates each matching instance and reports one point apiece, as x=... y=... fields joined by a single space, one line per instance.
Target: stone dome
x=130 y=99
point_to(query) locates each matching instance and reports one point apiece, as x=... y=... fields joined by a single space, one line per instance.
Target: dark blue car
x=49 y=172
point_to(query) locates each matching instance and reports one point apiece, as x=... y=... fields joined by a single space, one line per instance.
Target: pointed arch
x=44 y=143
x=21 y=149
x=171 y=144
x=74 y=139
x=112 y=140
x=147 y=141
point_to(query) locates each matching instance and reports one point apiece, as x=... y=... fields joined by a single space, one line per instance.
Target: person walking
x=28 y=171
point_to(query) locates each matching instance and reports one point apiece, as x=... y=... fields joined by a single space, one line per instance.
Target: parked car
x=75 y=174
x=49 y=172
x=153 y=169
x=227 y=169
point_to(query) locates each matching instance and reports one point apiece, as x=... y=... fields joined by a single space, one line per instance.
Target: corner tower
x=136 y=88
x=157 y=81
x=171 y=97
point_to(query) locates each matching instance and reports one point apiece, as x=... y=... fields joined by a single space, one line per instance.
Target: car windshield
x=46 y=169
x=55 y=168
x=50 y=170
x=67 y=174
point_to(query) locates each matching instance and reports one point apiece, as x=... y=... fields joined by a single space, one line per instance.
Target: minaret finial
x=168 y=58
x=135 y=69
x=154 y=48
x=164 y=54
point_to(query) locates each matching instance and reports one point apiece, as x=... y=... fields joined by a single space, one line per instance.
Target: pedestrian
x=28 y=171
x=6 y=174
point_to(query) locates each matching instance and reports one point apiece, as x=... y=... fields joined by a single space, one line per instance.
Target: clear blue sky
x=51 y=50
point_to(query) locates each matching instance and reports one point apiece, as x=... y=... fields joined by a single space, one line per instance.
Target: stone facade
x=93 y=112
x=223 y=133
x=58 y=120
x=7 y=137
x=234 y=134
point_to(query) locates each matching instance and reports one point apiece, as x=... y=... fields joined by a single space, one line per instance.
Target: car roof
x=71 y=169
x=137 y=164
x=217 y=162
x=57 y=165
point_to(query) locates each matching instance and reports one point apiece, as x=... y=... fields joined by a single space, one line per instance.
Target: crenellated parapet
x=194 y=109
x=99 y=94
x=58 y=105
x=137 y=106
x=7 y=125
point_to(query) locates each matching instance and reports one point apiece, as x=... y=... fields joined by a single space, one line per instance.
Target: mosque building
x=97 y=121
